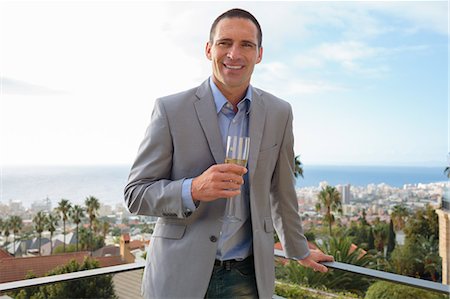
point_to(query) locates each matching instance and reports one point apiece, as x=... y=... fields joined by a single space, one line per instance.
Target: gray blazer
x=183 y=140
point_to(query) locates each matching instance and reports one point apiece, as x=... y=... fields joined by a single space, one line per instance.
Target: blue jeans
x=235 y=281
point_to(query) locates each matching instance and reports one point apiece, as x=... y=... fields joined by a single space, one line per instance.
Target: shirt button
x=213 y=239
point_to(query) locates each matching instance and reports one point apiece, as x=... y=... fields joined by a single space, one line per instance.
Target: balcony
x=375 y=274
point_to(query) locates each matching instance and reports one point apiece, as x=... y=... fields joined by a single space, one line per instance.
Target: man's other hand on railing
x=313 y=259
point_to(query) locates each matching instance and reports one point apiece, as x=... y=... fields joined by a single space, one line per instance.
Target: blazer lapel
x=256 y=129
x=207 y=115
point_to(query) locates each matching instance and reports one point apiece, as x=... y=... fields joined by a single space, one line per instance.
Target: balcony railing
x=395 y=278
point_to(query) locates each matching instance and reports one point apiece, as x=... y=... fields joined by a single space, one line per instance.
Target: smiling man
x=179 y=176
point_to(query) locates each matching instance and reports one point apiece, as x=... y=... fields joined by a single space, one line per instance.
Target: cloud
x=17 y=87
x=353 y=56
x=421 y=15
x=283 y=80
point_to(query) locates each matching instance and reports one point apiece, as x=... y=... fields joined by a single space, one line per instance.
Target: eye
x=248 y=45
x=223 y=43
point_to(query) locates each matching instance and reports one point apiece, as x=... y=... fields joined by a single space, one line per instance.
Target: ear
x=260 y=53
x=208 y=50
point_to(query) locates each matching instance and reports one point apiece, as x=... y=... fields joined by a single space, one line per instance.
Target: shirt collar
x=220 y=99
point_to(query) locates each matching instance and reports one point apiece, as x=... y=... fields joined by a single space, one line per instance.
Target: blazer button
x=213 y=239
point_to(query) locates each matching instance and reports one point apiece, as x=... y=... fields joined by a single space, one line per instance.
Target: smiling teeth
x=233 y=67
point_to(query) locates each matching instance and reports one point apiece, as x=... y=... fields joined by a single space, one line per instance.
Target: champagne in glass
x=237 y=153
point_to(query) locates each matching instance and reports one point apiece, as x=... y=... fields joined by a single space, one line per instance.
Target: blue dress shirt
x=235 y=241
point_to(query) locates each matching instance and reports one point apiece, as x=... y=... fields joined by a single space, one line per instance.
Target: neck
x=233 y=94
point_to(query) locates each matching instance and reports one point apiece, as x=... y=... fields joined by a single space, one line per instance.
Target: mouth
x=233 y=67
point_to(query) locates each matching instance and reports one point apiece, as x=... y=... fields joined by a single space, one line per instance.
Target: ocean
x=30 y=184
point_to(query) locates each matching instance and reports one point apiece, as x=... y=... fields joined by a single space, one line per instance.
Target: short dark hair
x=236 y=13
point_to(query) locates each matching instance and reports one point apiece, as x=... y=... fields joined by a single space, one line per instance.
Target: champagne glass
x=237 y=153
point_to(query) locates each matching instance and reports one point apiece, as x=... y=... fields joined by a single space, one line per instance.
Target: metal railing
x=391 y=277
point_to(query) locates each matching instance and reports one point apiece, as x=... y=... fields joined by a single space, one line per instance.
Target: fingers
x=316 y=256
x=327 y=258
x=320 y=268
x=230 y=168
x=218 y=181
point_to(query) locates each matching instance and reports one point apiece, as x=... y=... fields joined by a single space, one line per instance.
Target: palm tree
x=105 y=229
x=39 y=225
x=399 y=215
x=16 y=226
x=92 y=205
x=429 y=256
x=380 y=234
x=76 y=214
x=330 y=199
x=6 y=230
x=64 y=207
x=343 y=251
x=298 y=167
x=363 y=218
x=52 y=223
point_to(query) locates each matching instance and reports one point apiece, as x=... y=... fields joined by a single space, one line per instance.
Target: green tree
x=359 y=232
x=64 y=207
x=380 y=234
x=298 y=167
x=419 y=256
x=96 y=287
x=28 y=292
x=403 y=260
x=39 y=221
x=388 y=290
x=85 y=237
x=424 y=222
x=343 y=251
x=16 y=226
x=391 y=239
x=428 y=256
x=371 y=240
x=105 y=228
x=92 y=205
x=52 y=223
x=76 y=214
x=6 y=230
x=399 y=215
x=69 y=248
x=330 y=199
x=363 y=218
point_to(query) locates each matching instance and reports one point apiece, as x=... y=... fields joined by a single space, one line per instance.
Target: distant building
x=16 y=206
x=346 y=195
x=44 y=205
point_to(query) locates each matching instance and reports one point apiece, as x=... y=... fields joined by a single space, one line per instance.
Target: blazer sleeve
x=283 y=197
x=150 y=190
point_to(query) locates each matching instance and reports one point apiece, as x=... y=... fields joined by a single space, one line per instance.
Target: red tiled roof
x=4 y=254
x=109 y=250
x=136 y=244
x=278 y=246
x=12 y=269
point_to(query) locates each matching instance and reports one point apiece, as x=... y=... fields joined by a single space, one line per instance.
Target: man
x=179 y=175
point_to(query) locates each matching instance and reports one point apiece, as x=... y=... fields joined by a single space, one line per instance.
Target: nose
x=233 y=52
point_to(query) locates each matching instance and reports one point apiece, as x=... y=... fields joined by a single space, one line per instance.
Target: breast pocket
x=169 y=231
x=267 y=159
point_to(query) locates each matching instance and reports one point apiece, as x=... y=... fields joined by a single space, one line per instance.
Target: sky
x=367 y=81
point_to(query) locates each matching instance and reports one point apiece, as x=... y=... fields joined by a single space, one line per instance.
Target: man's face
x=234 y=52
